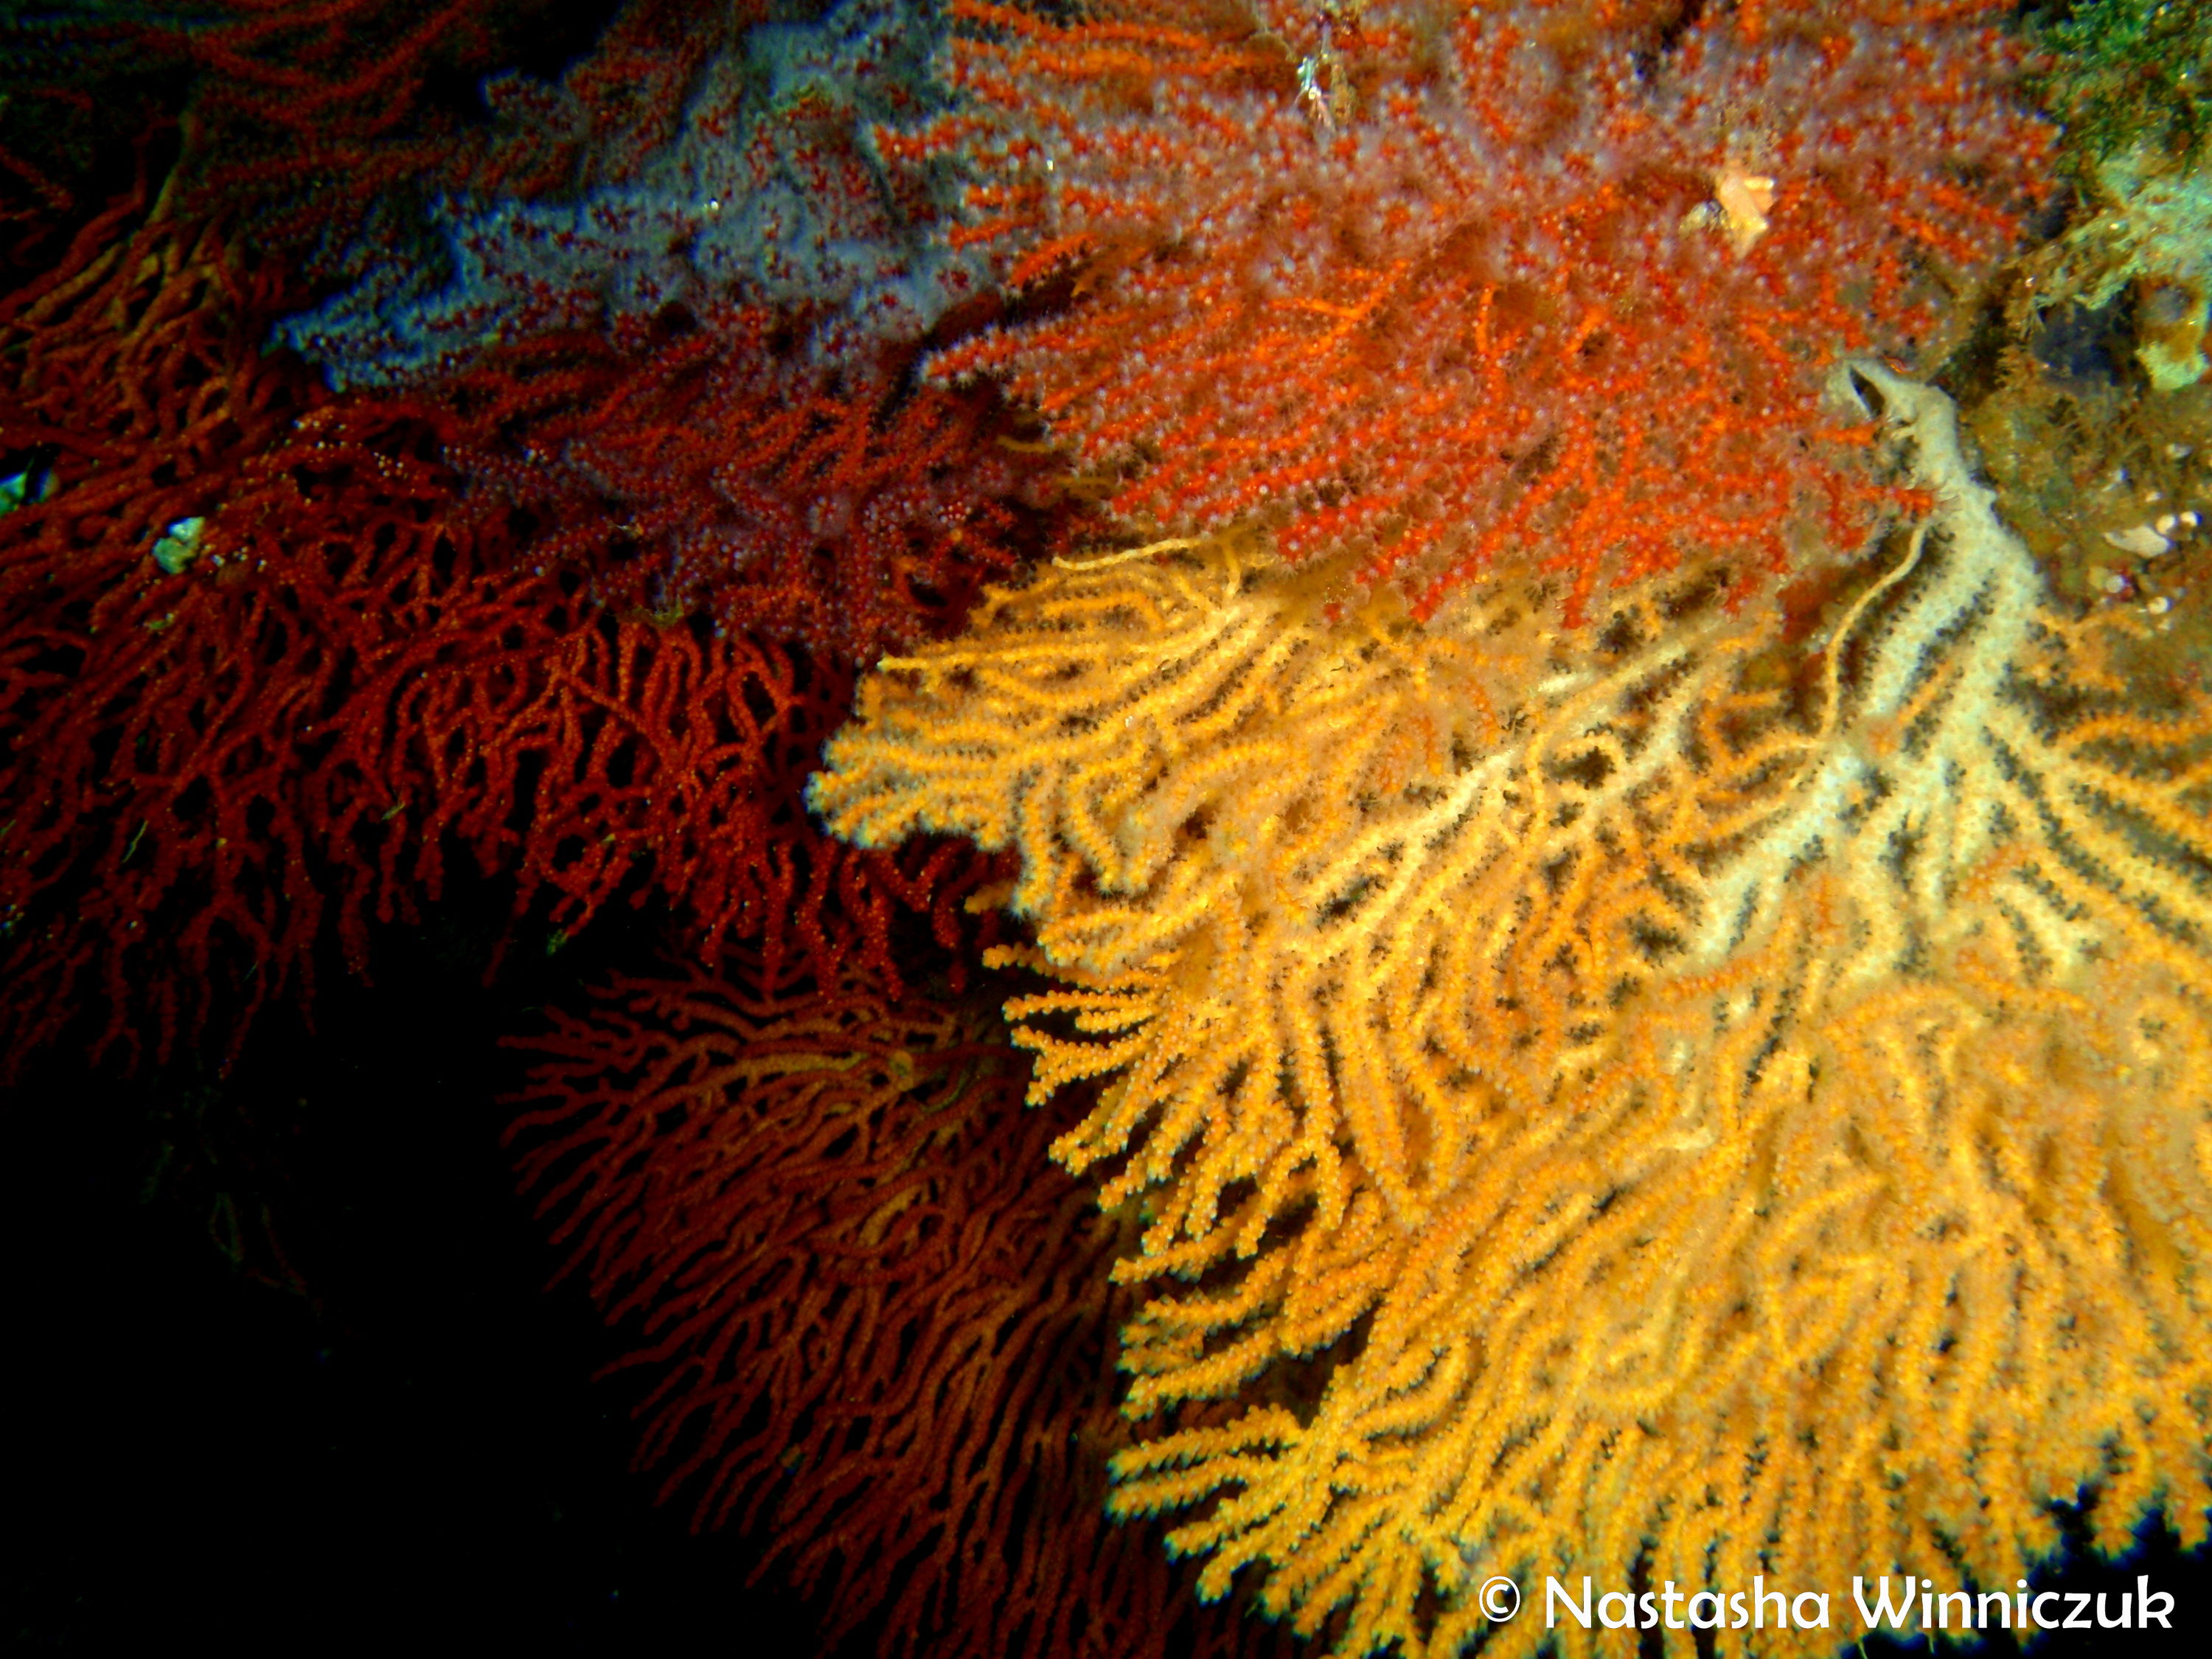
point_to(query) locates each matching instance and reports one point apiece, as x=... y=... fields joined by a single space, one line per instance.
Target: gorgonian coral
x=700 y=464
x=766 y=193
x=1466 y=285
x=268 y=663
x=1694 y=1130
x=877 y=1327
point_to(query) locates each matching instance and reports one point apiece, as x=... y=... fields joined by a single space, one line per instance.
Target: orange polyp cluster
x=1496 y=317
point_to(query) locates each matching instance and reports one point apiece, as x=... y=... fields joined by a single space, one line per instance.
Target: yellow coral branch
x=1641 y=1127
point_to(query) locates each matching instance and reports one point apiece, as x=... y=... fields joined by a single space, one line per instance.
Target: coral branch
x=877 y=1335
x=266 y=666
x=1474 y=287
x=703 y=469
x=766 y=193
x=1745 y=1136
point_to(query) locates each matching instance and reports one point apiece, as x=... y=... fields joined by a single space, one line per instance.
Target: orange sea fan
x=1483 y=284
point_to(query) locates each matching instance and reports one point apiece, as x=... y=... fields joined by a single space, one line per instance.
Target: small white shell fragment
x=2190 y=518
x=2161 y=605
x=2115 y=583
x=2139 y=539
x=2165 y=524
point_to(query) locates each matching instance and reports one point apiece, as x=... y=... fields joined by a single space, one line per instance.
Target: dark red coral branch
x=879 y=1322
x=309 y=107
x=702 y=465
x=266 y=663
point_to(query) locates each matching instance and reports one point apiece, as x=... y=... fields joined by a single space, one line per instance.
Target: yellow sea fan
x=1718 y=1139
x=1911 y=1288
x=1315 y=886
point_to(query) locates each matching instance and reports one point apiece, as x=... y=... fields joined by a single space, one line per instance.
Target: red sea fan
x=879 y=1322
x=1461 y=286
x=314 y=105
x=137 y=389
x=610 y=112
x=658 y=761
x=264 y=664
x=705 y=469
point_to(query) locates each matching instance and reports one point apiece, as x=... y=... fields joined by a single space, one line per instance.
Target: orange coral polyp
x=1507 y=255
